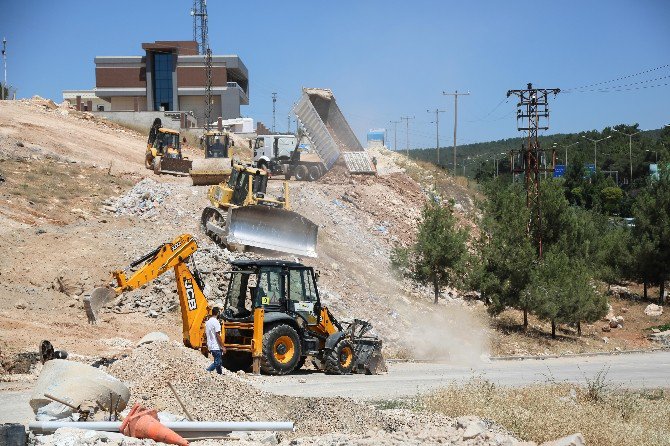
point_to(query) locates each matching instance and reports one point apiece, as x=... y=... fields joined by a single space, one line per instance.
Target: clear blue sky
x=382 y=59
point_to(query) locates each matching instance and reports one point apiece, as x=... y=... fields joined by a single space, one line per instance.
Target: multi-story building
x=170 y=78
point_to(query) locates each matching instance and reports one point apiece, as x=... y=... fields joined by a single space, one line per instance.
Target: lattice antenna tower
x=532 y=116
x=200 y=33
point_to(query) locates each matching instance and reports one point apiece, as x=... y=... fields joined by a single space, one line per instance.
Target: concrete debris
x=75 y=383
x=662 y=337
x=155 y=336
x=653 y=310
x=142 y=200
x=82 y=437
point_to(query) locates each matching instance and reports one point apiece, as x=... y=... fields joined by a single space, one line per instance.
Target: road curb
x=576 y=355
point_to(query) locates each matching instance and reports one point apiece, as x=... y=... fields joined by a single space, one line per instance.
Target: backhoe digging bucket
x=210 y=171
x=96 y=300
x=272 y=228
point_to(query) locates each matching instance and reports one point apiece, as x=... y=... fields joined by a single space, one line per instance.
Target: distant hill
x=612 y=153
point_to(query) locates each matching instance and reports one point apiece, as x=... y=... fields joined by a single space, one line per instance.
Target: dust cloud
x=448 y=332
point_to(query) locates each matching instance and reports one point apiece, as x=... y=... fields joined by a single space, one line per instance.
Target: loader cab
x=217 y=144
x=167 y=143
x=276 y=286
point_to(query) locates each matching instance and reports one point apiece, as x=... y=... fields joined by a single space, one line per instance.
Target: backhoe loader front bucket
x=272 y=228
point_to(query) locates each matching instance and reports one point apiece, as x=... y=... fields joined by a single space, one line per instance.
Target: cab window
x=269 y=290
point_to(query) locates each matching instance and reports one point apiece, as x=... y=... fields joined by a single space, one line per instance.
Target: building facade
x=170 y=77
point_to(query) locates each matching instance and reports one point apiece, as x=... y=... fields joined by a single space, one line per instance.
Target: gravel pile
x=232 y=397
x=143 y=199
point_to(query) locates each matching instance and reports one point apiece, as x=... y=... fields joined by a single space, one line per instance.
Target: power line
x=620 y=78
x=395 y=134
x=437 y=112
x=614 y=87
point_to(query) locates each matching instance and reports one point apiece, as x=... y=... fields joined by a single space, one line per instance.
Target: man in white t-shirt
x=214 y=341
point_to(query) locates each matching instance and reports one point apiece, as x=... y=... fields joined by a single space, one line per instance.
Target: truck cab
x=269 y=148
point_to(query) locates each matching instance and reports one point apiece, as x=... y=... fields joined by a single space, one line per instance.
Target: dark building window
x=162 y=80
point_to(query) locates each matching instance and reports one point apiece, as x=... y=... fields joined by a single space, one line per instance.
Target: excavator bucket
x=272 y=228
x=210 y=171
x=96 y=300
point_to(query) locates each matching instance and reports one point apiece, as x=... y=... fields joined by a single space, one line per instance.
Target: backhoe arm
x=192 y=301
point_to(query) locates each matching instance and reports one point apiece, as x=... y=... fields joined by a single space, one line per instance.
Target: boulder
x=75 y=383
x=474 y=429
x=570 y=440
x=653 y=310
x=154 y=336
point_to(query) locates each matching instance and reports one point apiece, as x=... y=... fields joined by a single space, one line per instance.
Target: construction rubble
x=148 y=369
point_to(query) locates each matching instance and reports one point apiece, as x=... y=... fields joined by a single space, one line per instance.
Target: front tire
x=157 y=165
x=149 y=161
x=281 y=350
x=340 y=360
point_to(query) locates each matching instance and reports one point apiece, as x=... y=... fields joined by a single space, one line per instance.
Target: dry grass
x=605 y=416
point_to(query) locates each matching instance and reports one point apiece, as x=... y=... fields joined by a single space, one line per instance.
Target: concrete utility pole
x=595 y=149
x=630 y=149
x=407 y=118
x=395 y=134
x=274 y=110
x=4 y=62
x=437 y=131
x=455 y=94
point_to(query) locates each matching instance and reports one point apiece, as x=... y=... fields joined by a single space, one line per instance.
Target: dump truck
x=282 y=155
x=215 y=168
x=163 y=154
x=331 y=136
x=242 y=213
x=272 y=321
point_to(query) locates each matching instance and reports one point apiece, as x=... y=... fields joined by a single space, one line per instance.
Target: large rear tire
x=340 y=360
x=314 y=173
x=281 y=350
x=301 y=173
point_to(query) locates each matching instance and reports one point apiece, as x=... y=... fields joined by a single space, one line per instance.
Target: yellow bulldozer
x=272 y=319
x=216 y=166
x=163 y=154
x=243 y=214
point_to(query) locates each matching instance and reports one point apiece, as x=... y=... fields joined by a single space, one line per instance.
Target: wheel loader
x=243 y=214
x=163 y=153
x=216 y=166
x=272 y=320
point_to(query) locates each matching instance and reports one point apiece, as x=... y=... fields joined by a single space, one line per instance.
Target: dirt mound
x=230 y=397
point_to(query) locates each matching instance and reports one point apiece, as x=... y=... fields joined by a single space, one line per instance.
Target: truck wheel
x=314 y=173
x=340 y=360
x=236 y=361
x=149 y=161
x=281 y=350
x=301 y=173
x=157 y=165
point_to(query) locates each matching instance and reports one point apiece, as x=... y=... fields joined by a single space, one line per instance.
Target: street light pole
x=595 y=149
x=566 y=151
x=630 y=149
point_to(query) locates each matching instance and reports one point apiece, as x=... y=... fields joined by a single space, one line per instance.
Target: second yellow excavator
x=273 y=318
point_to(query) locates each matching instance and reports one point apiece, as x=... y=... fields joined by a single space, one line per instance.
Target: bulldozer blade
x=96 y=300
x=210 y=171
x=175 y=166
x=272 y=228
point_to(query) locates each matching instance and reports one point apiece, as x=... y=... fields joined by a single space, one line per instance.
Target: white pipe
x=44 y=427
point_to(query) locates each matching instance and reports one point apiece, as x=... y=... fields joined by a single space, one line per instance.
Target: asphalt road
x=631 y=370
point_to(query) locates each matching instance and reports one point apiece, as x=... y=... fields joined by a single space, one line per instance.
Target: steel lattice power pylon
x=533 y=106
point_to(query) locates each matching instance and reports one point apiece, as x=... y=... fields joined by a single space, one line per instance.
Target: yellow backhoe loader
x=216 y=166
x=242 y=214
x=163 y=153
x=272 y=321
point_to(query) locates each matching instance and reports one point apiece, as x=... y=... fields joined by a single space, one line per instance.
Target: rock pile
x=144 y=199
